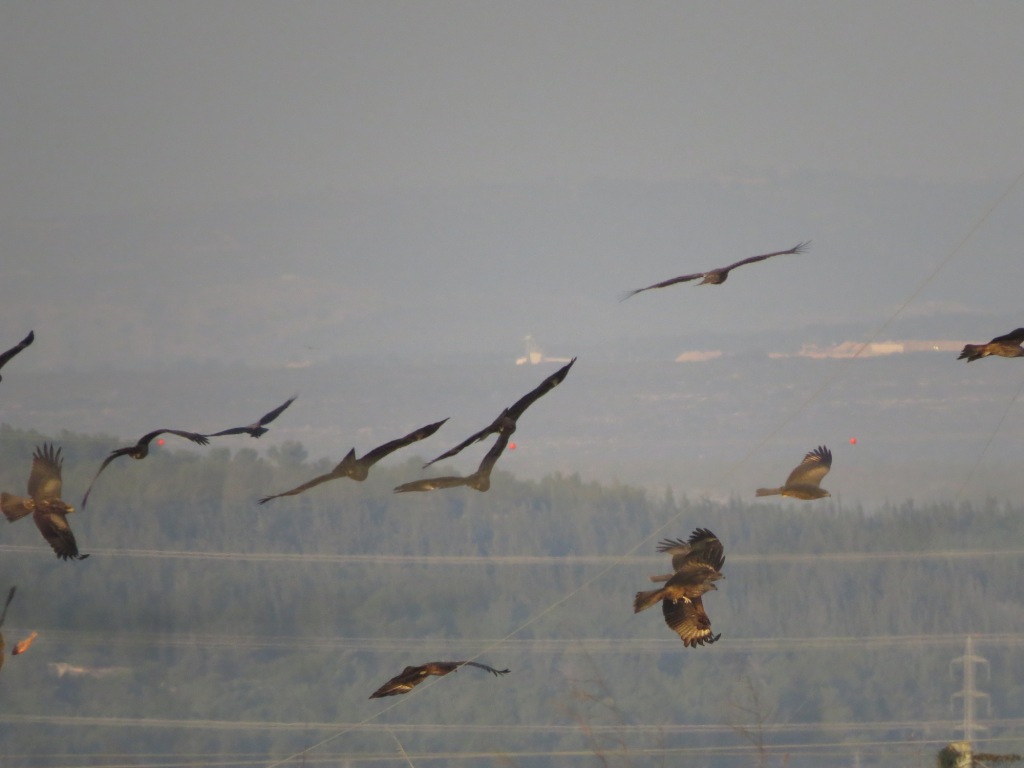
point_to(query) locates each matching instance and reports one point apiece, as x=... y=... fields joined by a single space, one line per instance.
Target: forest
x=206 y=628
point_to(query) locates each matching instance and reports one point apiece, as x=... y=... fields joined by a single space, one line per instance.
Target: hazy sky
x=121 y=105
x=283 y=182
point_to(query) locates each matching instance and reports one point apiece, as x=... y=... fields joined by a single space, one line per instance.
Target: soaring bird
x=48 y=510
x=257 y=428
x=719 y=275
x=140 y=451
x=413 y=676
x=358 y=469
x=3 y=615
x=1003 y=346
x=697 y=565
x=478 y=481
x=510 y=415
x=804 y=482
x=16 y=349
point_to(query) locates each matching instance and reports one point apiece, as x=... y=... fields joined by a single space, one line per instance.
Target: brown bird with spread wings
x=48 y=510
x=413 y=676
x=257 y=428
x=16 y=349
x=719 y=275
x=3 y=615
x=510 y=416
x=804 y=482
x=697 y=563
x=1008 y=345
x=140 y=451
x=478 y=481
x=359 y=469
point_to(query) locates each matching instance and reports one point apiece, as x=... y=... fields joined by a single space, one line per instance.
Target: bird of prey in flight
x=804 y=482
x=508 y=417
x=3 y=615
x=1003 y=346
x=16 y=349
x=719 y=275
x=257 y=428
x=478 y=481
x=140 y=451
x=413 y=676
x=48 y=510
x=358 y=469
x=697 y=565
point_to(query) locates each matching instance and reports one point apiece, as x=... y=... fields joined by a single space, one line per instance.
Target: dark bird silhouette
x=510 y=416
x=16 y=349
x=719 y=275
x=140 y=451
x=48 y=510
x=1003 y=346
x=258 y=428
x=804 y=482
x=413 y=676
x=478 y=481
x=697 y=565
x=358 y=469
x=3 y=615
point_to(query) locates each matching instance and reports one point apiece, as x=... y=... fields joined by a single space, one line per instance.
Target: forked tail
x=645 y=600
x=15 y=507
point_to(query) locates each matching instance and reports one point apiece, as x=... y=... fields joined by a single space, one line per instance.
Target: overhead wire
x=730 y=470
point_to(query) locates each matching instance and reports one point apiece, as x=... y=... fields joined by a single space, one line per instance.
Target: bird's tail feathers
x=662 y=577
x=768 y=491
x=972 y=352
x=15 y=507
x=645 y=600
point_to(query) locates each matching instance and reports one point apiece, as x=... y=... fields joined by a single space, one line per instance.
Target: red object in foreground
x=853 y=441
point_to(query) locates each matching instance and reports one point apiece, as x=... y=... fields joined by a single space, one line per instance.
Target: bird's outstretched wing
x=812 y=469
x=510 y=415
x=690 y=621
x=663 y=284
x=44 y=479
x=431 y=484
x=480 y=480
x=519 y=406
x=55 y=529
x=799 y=248
x=703 y=546
x=332 y=475
x=492 y=670
x=403 y=682
x=1015 y=336
x=10 y=596
x=381 y=451
x=110 y=457
x=17 y=348
x=23 y=645
x=195 y=437
x=258 y=428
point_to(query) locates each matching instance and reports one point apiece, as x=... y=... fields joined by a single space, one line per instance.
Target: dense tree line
x=198 y=603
